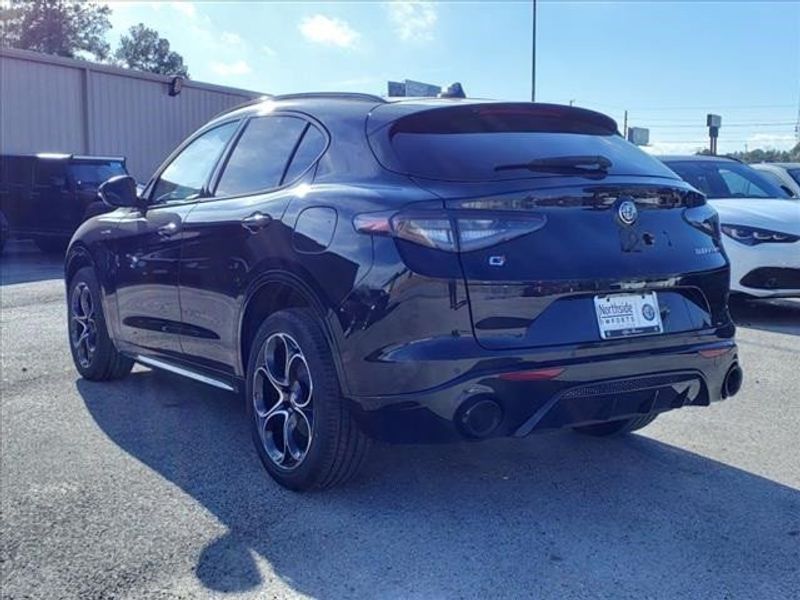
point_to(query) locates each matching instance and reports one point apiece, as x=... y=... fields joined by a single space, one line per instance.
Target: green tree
x=145 y=50
x=72 y=29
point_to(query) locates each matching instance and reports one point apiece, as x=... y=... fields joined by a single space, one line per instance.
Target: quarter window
x=311 y=146
x=259 y=158
x=187 y=174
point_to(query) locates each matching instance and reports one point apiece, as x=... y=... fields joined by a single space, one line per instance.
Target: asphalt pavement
x=150 y=488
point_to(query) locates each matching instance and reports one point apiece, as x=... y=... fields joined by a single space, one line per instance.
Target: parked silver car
x=785 y=175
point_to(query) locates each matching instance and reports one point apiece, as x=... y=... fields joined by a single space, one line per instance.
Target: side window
x=186 y=175
x=311 y=146
x=51 y=173
x=740 y=186
x=259 y=158
x=19 y=170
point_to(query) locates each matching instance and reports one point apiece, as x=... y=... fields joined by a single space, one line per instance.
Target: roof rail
x=332 y=95
x=252 y=102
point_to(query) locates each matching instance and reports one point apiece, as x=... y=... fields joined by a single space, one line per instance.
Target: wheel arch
x=279 y=290
x=78 y=257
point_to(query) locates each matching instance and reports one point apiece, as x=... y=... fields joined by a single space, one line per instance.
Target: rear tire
x=616 y=428
x=302 y=428
x=93 y=352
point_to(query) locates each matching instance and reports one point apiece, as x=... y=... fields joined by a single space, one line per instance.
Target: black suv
x=411 y=271
x=46 y=197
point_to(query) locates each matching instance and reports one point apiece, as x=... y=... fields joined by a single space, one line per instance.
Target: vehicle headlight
x=751 y=236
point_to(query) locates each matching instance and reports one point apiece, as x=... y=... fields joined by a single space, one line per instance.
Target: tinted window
x=725 y=179
x=260 y=156
x=468 y=143
x=795 y=173
x=186 y=175
x=17 y=170
x=51 y=173
x=311 y=146
x=92 y=174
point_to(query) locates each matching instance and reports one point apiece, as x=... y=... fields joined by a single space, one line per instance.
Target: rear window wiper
x=592 y=165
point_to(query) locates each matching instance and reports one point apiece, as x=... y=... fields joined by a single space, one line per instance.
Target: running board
x=165 y=366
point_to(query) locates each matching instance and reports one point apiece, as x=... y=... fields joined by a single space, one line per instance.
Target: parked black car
x=45 y=197
x=411 y=270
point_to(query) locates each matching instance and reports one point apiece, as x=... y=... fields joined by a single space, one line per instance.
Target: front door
x=148 y=252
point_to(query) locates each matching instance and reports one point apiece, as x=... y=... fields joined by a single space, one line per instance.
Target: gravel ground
x=149 y=488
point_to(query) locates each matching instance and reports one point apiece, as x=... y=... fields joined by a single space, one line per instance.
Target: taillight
x=704 y=218
x=464 y=231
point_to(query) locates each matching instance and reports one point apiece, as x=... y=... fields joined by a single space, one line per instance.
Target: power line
x=725 y=125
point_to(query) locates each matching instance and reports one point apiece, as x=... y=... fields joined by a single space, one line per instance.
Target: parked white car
x=785 y=175
x=760 y=224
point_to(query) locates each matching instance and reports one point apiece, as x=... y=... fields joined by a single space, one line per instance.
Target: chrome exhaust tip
x=733 y=381
x=479 y=416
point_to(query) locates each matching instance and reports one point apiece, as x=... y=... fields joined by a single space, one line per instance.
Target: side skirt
x=184 y=371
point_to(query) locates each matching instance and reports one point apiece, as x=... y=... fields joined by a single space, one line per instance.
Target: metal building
x=54 y=104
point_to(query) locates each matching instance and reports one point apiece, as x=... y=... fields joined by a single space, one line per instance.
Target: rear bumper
x=533 y=396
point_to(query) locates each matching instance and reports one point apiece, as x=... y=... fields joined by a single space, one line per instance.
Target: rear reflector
x=714 y=352
x=536 y=375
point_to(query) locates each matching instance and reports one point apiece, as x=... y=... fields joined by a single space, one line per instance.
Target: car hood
x=775 y=215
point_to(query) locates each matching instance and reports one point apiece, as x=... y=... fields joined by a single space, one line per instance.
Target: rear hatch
x=565 y=232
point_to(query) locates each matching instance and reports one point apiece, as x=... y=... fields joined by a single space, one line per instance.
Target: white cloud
x=330 y=31
x=659 y=148
x=238 y=67
x=232 y=39
x=413 y=20
x=187 y=8
x=268 y=50
x=772 y=141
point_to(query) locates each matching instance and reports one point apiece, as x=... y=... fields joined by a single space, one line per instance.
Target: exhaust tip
x=733 y=381
x=480 y=416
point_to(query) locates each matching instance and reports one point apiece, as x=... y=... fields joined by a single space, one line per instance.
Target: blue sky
x=668 y=63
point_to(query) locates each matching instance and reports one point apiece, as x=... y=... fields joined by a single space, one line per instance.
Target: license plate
x=623 y=315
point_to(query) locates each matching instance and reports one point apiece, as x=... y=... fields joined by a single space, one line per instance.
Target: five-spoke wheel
x=304 y=432
x=93 y=352
x=282 y=396
x=82 y=326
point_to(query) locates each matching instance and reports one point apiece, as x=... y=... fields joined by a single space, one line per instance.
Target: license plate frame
x=628 y=315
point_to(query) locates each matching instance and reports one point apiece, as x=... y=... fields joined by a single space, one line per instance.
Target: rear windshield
x=725 y=179
x=795 y=173
x=92 y=174
x=485 y=142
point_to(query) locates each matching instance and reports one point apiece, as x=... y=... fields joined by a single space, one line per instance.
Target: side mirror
x=788 y=190
x=120 y=190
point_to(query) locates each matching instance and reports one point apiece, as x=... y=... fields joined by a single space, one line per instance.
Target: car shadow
x=510 y=518
x=777 y=316
x=22 y=262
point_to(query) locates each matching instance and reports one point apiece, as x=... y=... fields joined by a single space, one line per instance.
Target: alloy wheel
x=83 y=326
x=282 y=401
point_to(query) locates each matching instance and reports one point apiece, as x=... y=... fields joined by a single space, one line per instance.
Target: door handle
x=167 y=230
x=256 y=222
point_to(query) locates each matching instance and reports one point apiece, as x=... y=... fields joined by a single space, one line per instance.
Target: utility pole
x=533 y=54
x=625 y=126
x=713 y=122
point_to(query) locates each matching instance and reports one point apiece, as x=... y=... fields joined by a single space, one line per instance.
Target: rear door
x=51 y=204
x=553 y=212
x=239 y=232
